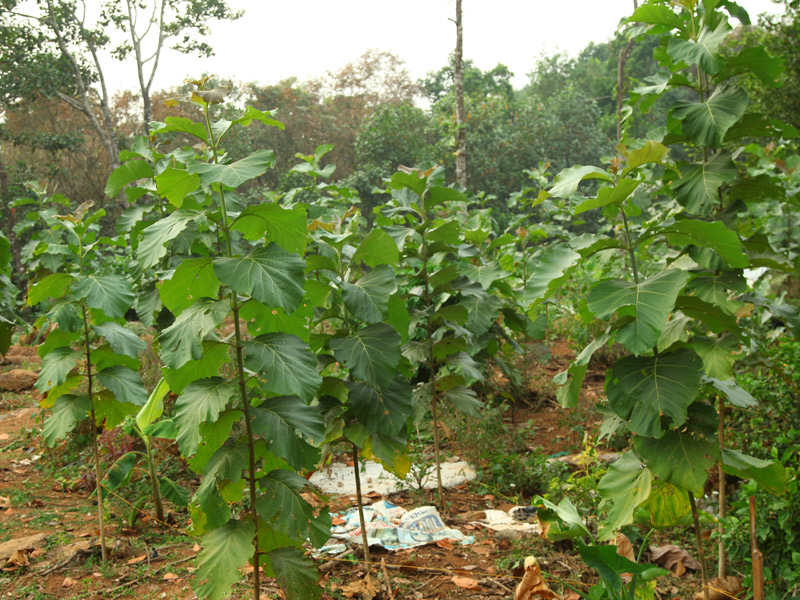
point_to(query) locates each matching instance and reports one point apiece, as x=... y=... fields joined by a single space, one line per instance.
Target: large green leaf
x=200 y=402
x=484 y=274
x=384 y=411
x=67 y=412
x=214 y=435
x=183 y=340
x=368 y=298
x=125 y=174
x=215 y=354
x=173 y=492
x=483 y=310
x=566 y=183
x=284 y=226
x=110 y=411
x=377 y=248
x=626 y=485
x=737 y=396
x=271 y=275
x=285 y=362
x=718 y=355
x=769 y=69
x=769 y=475
x=712 y=316
x=120 y=472
x=121 y=340
x=234 y=174
x=651 y=152
x=56 y=366
x=571 y=380
x=650 y=302
x=667 y=504
x=643 y=390
x=194 y=278
x=714 y=235
x=706 y=123
x=551 y=270
x=225 y=551
x=615 y=194
x=282 y=505
x=176 y=184
x=703 y=51
x=611 y=566
x=151 y=248
x=465 y=400
x=126 y=384
x=278 y=420
x=110 y=293
x=297 y=574
x=684 y=456
x=698 y=190
x=371 y=353
x=657 y=14
x=52 y=286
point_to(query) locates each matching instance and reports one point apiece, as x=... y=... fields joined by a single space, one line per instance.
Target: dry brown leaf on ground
x=16 y=560
x=572 y=595
x=445 y=543
x=137 y=559
x=170 y=577
x=68 y=582
x=624 y=547
x=365 y=588
x=533 y=585
x=5 y=502
x=468 y=583
x=722 y=588
x=669 y=555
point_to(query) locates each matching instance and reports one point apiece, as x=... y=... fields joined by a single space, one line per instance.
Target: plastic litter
x=392 y=527
x=519 y=518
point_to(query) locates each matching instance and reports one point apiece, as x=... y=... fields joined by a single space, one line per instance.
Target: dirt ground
x=45 y=496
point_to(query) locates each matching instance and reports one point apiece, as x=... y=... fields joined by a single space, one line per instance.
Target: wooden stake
x=758 y=558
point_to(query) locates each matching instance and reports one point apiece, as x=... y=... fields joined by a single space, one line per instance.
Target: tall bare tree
x=461 y=118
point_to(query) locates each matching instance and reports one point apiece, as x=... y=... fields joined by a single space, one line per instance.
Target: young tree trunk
x=623 y=58
x=458 y=79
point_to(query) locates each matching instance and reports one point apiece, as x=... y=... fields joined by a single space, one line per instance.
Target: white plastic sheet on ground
x=338 y=478
x=391 y=527
x=519 y=518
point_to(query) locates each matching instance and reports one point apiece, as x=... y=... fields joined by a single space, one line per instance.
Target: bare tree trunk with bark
x=461 y=120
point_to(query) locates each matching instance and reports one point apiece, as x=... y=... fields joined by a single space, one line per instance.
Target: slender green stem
x=240 y=374
x=722 y=566
x=698 y=534
x=432 y=364
x=151 y=464
x=629 y=245
x=360 y=507
x=98 y=475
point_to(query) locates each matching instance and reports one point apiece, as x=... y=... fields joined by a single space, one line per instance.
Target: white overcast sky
x=276 y=40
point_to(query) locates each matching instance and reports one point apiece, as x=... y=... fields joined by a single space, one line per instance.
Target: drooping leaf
x=234 y=174
x=684 y=456
x=152 y=246
x=483 y=310
x=611 y=565
x=571 y=380
x=712 y=235
x=270 y=274
x=194 y=278
x=566 y=183
x=200 y=402
x=278 y=420
x=371 y=353
x=120 y=472
x=737 y=396
x=626 y=485
x=284 y=226
x=642 y=390
x=368 y=298
x=769 y=475
x=385 y=411
x=56 y=366
x=125 y=174
x=67 y=412
x=282 y=505
x=126 y=384
x=225 y=550
x=756 y=60
x=110 y=293
x=465 y=400
x=651 y=302
x=183 y=340
x=286 y=364
x=177 y=494
x=53 y=286
x=121 y=339
x=214 y=434
x=215 y=354
x=706 y=123
x=297 y=574
x=549 y=272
